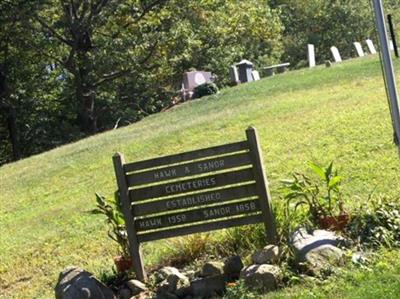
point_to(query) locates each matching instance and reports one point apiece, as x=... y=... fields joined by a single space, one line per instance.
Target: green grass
x=339 y=114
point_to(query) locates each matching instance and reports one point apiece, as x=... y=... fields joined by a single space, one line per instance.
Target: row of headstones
x=336 y=54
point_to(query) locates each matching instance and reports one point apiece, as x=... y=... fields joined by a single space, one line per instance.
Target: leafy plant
x=321 y=196
x=378 y=224
x=115 y=219
x=205 y=89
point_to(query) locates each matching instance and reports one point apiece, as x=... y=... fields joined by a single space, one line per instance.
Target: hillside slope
x=322 y=114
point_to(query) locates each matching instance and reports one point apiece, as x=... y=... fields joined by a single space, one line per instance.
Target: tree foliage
x=72 y=68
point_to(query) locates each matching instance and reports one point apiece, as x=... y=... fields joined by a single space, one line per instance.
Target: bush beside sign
x=192 y=192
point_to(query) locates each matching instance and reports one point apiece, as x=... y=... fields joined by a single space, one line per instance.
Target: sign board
x=203 y=190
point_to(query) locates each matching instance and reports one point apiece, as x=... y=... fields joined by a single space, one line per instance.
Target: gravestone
x=233 y=73
x=359 y=49
x=336 y=54
x=198 y=191
x=371 y=46
x=256 y=75
x=193 y=79
x=391 y=45
x=311 y=55
x=245 y=68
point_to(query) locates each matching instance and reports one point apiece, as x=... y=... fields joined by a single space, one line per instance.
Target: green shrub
x=377 y=225
x=205 y=89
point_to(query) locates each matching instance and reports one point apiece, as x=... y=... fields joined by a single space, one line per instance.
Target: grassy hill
x=323 y=114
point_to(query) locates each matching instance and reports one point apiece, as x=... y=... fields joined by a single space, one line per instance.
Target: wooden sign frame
x=198 y=191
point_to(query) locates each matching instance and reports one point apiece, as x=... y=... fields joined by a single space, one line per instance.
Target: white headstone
x=391 y=45
x=311 y=55
x=336 y=54
x=359 y=49
x=371 y=46
x=256 y=75
x=233 y=71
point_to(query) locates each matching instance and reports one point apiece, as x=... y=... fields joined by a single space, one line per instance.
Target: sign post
x=388 y=69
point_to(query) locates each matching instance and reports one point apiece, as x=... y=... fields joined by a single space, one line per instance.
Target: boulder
x=208 y=287
x=76 y=283
x=232 y=267
x=270 y=254
x=124 y=293
x=136 y=286
x=262 y=277
x=175 y=283
x=317 y=251
x=212 y=269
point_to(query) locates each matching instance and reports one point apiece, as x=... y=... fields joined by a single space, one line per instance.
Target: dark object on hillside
x=200 y=165
x=328 y=63
x=280 y=68
x=245 y=68
x=205 y=89
x=76 y=283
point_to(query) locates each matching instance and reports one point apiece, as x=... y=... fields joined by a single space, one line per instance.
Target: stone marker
x=336 y=54
x=391 y=45
x=371 y=46
x=256 y=75
x=311 y=55
x=359 y=49
x=317 y=250
x=233 y=73
x=245 y=69
x=76 y=283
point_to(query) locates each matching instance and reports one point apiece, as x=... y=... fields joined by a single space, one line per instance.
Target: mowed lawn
x=324 y=114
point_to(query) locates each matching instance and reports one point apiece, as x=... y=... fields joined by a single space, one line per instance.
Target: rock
x=360 y=258
x=76 y=283
x=232 y=267
x=212 y=269
x=328 y=63
x=208 y=286
x=164 y=272
x=270 y=254
x=317 y=251
x=136 y=286
x=262 y=277
x=124 y=293
x=175 y=283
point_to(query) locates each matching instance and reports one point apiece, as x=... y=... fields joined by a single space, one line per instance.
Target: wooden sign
x=203 y=190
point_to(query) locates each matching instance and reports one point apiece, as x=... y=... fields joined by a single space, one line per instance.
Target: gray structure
x=245 y=68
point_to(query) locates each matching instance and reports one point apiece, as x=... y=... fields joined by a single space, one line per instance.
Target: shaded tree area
x=72 y=68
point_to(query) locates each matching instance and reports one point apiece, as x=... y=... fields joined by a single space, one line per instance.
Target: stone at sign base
x=262 y=277
x=317 y=250
x=270 y=254
x=76 y=283
x=232 y=267
x=212 y=269
x=136 y=286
